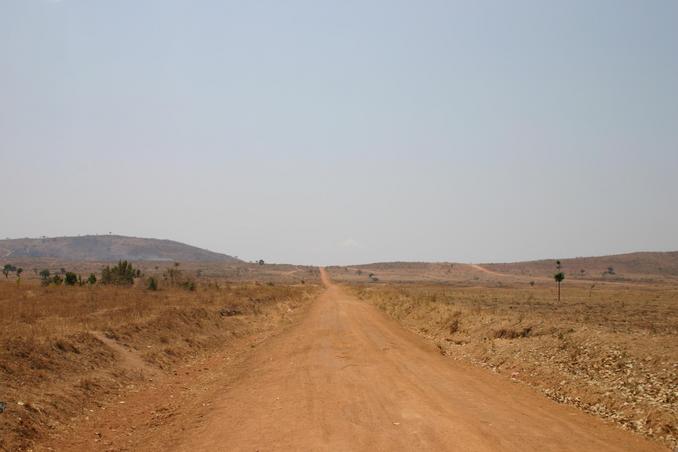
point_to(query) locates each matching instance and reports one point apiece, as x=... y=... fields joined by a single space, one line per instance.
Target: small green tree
x=7 y=269
x=44 y=276
x=152 y=283
x=57 y=280
x=92 y=280
x=559 y=277
x=70 y=279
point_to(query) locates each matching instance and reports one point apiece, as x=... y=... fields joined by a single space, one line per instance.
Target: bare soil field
x=610 y=350
x=67 y=353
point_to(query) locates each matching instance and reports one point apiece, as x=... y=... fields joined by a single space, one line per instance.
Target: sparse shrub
x=152 y=284
x=173 y=275
x=261 y=262
x=121 y=274
x=7 y=269
x=531 y=283
x=188 y=285
x=44 y=277
x=57 y=280
x=92 y=280
x=70 y=279
x=558 y=277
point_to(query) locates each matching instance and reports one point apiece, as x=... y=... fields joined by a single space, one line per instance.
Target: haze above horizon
x=324 y=133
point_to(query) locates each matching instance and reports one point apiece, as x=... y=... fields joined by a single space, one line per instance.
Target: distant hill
x=104 y=248
x=639 y=267
x=637 y=264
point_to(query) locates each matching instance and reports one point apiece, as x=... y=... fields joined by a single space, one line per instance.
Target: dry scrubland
x=66 y=350
x=611 y=351
x=609 y=347
x=201 y=271
x=639 y=267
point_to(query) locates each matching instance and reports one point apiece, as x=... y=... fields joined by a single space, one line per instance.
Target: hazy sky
x=346 y=131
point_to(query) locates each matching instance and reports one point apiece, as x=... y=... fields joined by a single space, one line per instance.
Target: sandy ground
x=347 y=378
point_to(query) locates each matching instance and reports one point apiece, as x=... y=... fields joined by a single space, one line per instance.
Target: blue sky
x=344 y=132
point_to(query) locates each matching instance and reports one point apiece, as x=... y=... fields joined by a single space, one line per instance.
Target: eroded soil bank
x=68 y=354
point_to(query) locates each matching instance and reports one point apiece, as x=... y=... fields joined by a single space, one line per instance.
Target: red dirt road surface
x=347 y=378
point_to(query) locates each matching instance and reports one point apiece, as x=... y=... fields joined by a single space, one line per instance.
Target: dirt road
x=347 y=378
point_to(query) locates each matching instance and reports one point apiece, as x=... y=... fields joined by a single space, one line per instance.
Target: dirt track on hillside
x=346 y=378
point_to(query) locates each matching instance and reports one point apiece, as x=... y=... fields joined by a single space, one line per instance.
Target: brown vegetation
x=650 y=267
x=646 y=268
x=66 y=350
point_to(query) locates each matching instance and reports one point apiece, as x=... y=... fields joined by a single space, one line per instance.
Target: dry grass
x=612 y=351
x=54 y=355
x=647 y=266
x=635 y=268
